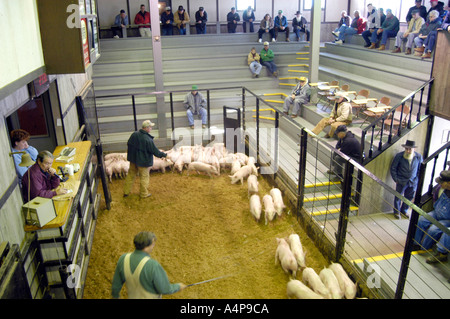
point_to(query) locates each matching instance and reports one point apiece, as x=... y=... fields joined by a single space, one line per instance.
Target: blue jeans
x=271 y=67
x=201 y=29
x=344 y=30
x=443 y=246
x=367 y=36
x=408 y=192
x=202 y=113
x=430 y=41
x=182 y=31
x=255 y=67
x=167 y=30
x=384 y=36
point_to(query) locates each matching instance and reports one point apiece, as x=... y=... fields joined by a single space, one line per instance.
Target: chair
x=332 y=98
x=362 y=94
x=394 y=119
x=384 y=101
x=322 y=94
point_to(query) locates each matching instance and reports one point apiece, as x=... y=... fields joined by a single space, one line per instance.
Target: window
x=307 y=4
x=242 y=5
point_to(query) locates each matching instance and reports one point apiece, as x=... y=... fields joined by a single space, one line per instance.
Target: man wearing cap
x=405 y=173
x=299 y=25
x=121 y=21
x=248 y=16
x=417 y=7
x=142 y=19
x=410 y=34
x=201 y=17
x=347 y=144
x=167 y=21
x=143 y=276
x=340 y=115
x=267 y=56
x=232 y=20
x=195 y=104
x=141 y=150
x=281 y=25
x=300 y=95
x=181 y=18
x=427 y=234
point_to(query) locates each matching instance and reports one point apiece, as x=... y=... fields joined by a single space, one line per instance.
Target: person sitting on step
x=281 y=25
x=266 y=26
x=433 y=23
x=375 y=19
x=299 y=26
x=410 y=34
x=254 y=64
x=356 y=27
x=267 y=56
x=340 y=115
x=195 y=104
x=389 y=28
x=300 y=95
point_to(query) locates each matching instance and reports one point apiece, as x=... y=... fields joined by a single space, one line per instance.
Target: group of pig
x=116 y=164
x=331 y=283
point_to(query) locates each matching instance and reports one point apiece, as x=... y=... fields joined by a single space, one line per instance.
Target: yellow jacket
x=250 y=58
x=415 y=25
x=177 y=21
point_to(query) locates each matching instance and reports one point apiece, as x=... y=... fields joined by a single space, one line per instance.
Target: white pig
x=108 y=170
x=277 y=200
x=269 y=209
x=297 y=249
x=241 y=174
x=286 y=257
x=161 y=164
x=330 y=281
x=345 y=283
x=202 y=167
x=312 y=279
x=299 y=290
x=255 y=206
x=252 y=183
x=124 y=168
x=235 y=166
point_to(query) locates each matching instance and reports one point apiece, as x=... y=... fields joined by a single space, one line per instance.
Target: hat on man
x=180 y=8
x=200 y=9
x=303 y=79
x=280 y=11
x=297 y=13
x=409 y=144
x=147 y=123
x=233 y=8
x=266 y=43
x=339 y=94
x=122 y=11
x=194 y=87
x=443 y=177
x=168 y=8
x=341 y=128
x=414 y=11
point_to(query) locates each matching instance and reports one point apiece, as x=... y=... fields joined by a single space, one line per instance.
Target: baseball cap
x=280 y=11
x=341 y=128
x=194 y=87
x=303 y=79
x=168 y=8
x=266 y=43
x=147 y=123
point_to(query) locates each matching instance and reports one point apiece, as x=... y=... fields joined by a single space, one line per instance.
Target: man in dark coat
x=232 y=20
x=347 y=144
x=141 y=149
x=405 y=173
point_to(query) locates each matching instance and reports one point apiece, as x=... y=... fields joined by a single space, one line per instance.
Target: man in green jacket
x=267 y=56
x=389 y=29
x=144 y=277
x=141 y=149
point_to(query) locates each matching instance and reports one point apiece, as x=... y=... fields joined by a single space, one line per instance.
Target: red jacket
x=361 y=25
x=139 y=19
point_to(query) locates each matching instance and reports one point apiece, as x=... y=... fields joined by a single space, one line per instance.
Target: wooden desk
x=363 y=101
x=379 y=109
x=315 y=84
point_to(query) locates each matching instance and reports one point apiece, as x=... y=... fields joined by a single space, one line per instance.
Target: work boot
x=288 y=40
x=330 y=172
x=420 y=49
x=382 y=47
x=372 y=46
x=436 y=257
x=408 y=51
x=286 y=113
x=426 y=55
x=396 y=50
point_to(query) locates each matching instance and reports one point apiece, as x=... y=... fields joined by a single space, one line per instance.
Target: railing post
x=172 y=120
x=301 y=170
x=345 y=209
x=243 y=107
x=208 y=108
x=257 y=129
x=134 y=112
x=277 y=143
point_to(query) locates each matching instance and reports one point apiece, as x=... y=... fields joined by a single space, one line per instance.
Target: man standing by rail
x=144 y=277
x=405 y=173
x=141 y=149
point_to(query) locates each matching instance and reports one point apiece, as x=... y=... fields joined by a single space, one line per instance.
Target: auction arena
x=204 y=230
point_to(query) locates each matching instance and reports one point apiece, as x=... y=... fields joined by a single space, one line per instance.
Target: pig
x=220 y=150
x=299 y=290
x=161 y=164
x=124 y=168
x=297 y=249
x=345 y=283
x=117 y=156
x=286 y=257
x=235 y=166
x=242 y=158
x=269 y=209
x=277 y=200
x=312 y=279
x=117 y=168
x=255 y=206
x=241 y=174
x=108 y=170
x=330 y=281
x=202 y=167
x=252 y=183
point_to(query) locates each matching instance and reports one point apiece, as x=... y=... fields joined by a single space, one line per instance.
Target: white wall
x=21 y=50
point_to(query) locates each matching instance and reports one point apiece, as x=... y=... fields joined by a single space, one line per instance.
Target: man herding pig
x=141 y=149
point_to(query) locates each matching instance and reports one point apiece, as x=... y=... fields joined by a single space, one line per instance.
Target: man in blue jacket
x=281 y=25
x=141 y=149
x=405 y=173
x=120 y=22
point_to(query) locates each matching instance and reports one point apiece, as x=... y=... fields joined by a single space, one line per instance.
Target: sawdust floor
x=204 y=230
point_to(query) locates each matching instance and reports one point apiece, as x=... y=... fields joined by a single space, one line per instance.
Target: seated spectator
x=418 y=6
x=438 y=6
x=248 y=16
x=299 y=25
x=181 y=19
x=344 y=20
x=388 y=29
x=142 y=19
x=426 y=39
x=201 y=17
x=281 y=25
x=167 y=21
x=300 y=95
x=232 y=20
x=19 y=142
x=340 y=115
x=254 y=64
x=446 y=23
x=121 y=21
x=357 y=27
x=267 y=56
x=266 y=26
x=347 y=144
x=195 y=104
x=410 y=34
x=428 y=234
x=43 y=179
x=375 y=19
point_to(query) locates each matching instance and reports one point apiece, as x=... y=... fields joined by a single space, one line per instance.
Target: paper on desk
x=72 y=186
